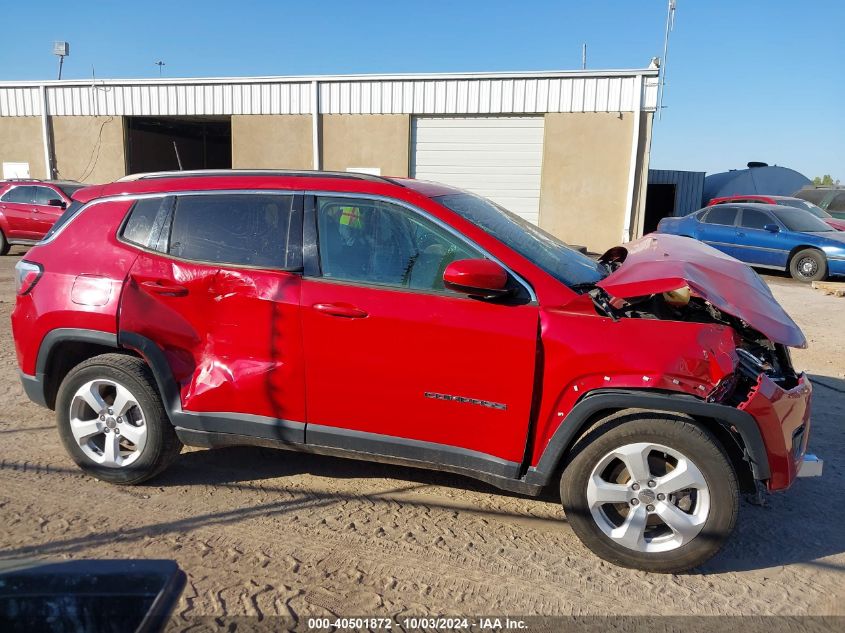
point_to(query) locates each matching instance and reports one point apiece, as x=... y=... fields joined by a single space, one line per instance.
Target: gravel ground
x=262 y=532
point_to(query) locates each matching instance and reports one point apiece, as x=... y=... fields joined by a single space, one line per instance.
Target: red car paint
x=29 y=221
x=452 y=371
x=661 y=263
x=836 y=223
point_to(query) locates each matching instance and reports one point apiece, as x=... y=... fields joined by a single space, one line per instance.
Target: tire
x=141 y=440
x=808 y=265
x=710 y=509
x=4 y=244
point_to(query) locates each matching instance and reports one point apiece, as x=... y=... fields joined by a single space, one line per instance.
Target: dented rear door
x=219 y=296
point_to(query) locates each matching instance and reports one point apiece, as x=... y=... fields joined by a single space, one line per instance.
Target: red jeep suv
x=29 y=208
x=409 y=322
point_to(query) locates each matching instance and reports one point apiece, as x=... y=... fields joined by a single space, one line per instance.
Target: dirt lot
x=262 y=532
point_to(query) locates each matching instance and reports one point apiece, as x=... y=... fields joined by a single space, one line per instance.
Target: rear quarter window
x=146 y=221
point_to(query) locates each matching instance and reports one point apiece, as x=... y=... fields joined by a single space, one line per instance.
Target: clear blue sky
x=748 y=79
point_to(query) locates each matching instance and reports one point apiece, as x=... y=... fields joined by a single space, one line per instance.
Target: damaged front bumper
x=783 y=417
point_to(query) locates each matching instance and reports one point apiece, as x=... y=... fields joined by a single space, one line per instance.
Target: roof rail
x=307 y=173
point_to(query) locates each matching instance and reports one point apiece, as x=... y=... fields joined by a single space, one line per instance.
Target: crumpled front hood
x=660 y=263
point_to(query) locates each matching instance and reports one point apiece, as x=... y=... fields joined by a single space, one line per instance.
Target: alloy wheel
x=648 y=497
x=108 y=423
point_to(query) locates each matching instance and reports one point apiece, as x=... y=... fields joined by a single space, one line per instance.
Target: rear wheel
x=4 y=244
x=648 y=493
x=808 y=265
x=112 y=421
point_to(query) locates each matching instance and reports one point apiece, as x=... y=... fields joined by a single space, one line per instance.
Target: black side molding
x=596 y=402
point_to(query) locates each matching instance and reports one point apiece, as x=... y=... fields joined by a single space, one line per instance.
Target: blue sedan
x=767 y=236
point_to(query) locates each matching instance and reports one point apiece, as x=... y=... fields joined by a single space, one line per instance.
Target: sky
x=746 y=80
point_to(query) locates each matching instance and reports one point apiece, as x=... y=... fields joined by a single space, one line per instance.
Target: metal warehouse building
x=566 y=150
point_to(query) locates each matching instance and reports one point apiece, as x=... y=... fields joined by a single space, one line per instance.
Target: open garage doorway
x=170 y=143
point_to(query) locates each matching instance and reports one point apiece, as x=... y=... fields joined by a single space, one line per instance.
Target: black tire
x=808 y=265
x=162 y=445
x=4 y=244
x=679 y=434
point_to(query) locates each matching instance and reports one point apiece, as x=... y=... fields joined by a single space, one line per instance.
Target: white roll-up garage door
x=497 y=157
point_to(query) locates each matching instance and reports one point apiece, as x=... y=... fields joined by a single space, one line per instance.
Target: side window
x=43 y=195
x=21 y=195
x=376 y=242
x=755 y=219
x=145 y=222
x=721 y=215
x=243 y=229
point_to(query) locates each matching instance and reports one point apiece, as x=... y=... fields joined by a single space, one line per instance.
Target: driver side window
x=374 y=242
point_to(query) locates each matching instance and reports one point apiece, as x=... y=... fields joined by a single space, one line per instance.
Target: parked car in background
x=767 y=236
x=29 y=208
x=831 y=198
x=405 y=321
x=785 y=201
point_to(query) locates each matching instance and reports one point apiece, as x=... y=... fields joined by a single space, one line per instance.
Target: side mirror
x=56 y=202
x=476 y=278
x=772 y=228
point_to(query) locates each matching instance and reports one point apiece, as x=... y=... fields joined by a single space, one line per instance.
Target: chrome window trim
x=435 y=220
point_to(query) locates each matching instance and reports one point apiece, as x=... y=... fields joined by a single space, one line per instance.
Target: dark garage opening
x=659 y=203
x=152 y=143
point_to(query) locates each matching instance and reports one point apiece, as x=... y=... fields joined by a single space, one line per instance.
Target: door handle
x=340 y=310
x=165 y=289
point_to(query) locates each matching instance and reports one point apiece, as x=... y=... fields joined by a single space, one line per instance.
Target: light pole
x=62 y=49
x=160 y=63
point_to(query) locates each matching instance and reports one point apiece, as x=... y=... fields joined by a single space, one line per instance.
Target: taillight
x=27 y=275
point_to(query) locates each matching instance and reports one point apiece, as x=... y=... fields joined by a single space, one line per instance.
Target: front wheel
x=808 y=265
x=112 y=421
x=4 y=244
x=649 y=493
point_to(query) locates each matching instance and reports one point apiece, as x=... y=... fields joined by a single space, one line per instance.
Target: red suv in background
x=409 y=322
x=29 y=208
x=784 y=201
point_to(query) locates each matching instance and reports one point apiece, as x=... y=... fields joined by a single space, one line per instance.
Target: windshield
x=546 y=251
x=807 y=206
x=801 y=221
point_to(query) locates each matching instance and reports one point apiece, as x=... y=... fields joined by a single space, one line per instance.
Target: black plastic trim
x=608 y=400
x=60 y=335
x=35 y=386
x=375 y=448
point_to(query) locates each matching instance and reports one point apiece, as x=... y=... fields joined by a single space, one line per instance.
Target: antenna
x=670 y=24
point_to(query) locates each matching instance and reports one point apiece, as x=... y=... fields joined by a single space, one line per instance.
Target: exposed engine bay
x=757 y=354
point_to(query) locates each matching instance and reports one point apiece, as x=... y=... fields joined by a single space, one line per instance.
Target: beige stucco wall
x=586 y=158
x=272 y=141
x=21 y=142
x=89 y=148
x=643 y=158
x=367 y=140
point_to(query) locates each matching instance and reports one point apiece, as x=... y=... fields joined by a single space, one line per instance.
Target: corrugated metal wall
x=614 y=92
x=689 y=186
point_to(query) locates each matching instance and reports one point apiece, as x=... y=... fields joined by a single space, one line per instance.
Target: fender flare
x=613 y=400
x=36 y=386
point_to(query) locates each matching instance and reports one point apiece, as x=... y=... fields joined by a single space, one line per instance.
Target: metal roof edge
x=537 y=74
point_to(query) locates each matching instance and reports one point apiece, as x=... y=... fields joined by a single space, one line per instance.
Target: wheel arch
x=793 y=252
x=63 y=349
x=736 y=430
